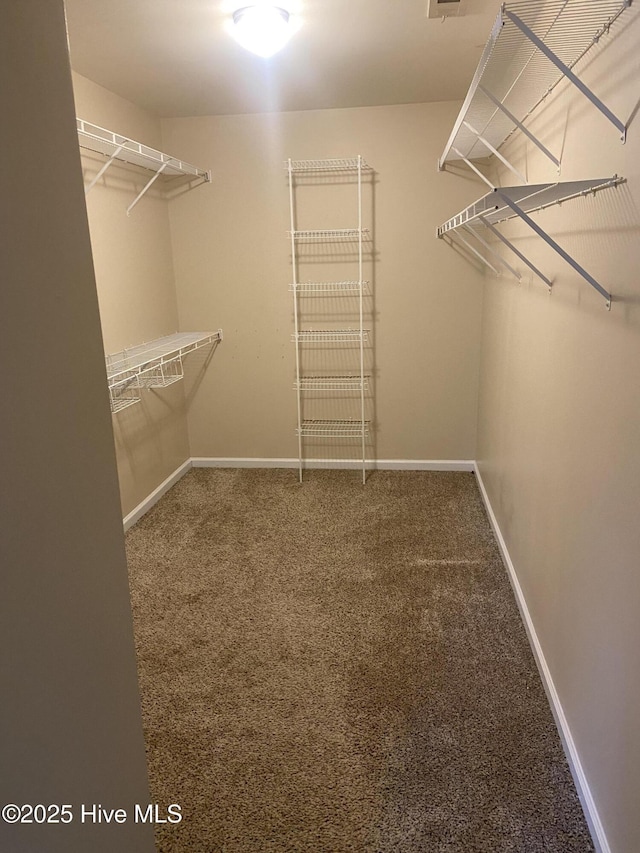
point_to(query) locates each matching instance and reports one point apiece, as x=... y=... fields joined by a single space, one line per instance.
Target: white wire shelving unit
x=504 y=203
x=533 y=46
x=116 y=147
x=356 y=383
x=156 y=364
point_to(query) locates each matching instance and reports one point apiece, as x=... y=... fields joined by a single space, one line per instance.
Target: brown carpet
x=330 y=667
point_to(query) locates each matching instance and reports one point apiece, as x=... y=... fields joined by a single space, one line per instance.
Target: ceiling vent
x=443 y=8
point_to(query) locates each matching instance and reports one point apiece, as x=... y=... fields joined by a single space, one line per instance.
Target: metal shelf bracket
x=146 y=187
x=557 y=248
x=493 y=252
x=474 y=168
x=495 y=151
x=478 y=254
x=516 y=251
x=498 y=103
x=567 y=72
x=104 y=168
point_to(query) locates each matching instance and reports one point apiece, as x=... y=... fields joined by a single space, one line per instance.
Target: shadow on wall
x=129 y=180
x=142 y=425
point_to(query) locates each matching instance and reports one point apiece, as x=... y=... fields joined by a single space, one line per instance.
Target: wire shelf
x=145 y=356
x=104 y=141
x=514 y=75
x=161 y=375
x=122 y=396
x=504 y=203
x=311 y=287
x=333 y=428
x=332 y=383
x=331 y=336
x=155 y=364
x=348 y=164
x=334 y=234
x=494 y=207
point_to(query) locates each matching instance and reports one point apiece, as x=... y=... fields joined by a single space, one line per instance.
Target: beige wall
x=559 y=399
x=134 y=274
x=559 y=447
x=232 y=262
x=70 y=716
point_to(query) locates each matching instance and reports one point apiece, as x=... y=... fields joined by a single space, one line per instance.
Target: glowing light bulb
x=263 y=30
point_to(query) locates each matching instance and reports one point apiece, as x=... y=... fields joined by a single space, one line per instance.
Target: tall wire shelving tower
x=354 y=384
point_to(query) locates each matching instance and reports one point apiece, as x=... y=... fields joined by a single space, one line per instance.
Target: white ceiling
x=176 y=58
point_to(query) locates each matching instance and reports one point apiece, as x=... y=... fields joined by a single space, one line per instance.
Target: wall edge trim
x=152 y=499
x=573 y=757
x=347 y=464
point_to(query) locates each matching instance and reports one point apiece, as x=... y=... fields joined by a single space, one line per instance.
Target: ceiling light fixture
x=263 y=29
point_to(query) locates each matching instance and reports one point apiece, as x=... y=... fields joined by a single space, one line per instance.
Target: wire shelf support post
x=361 y=307
x=294 y=266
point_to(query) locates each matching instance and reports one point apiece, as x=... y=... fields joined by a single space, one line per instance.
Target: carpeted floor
x=330 y=667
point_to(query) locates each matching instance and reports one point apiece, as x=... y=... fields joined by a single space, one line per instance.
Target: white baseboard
x=241 y=462
x=272 y=462
x=570 y=749
x=371 y=464
x=143 y=507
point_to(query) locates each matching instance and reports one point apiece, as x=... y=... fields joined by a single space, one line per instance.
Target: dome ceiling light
x=262 y=29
